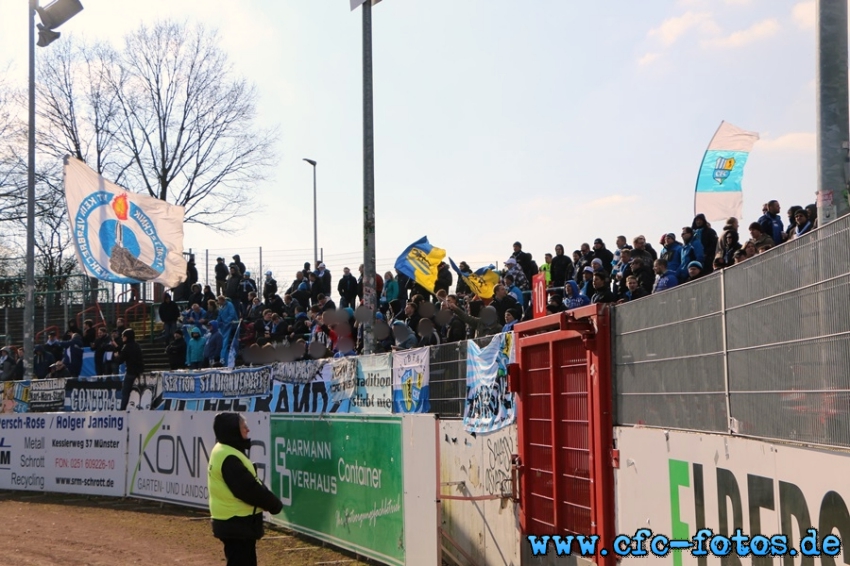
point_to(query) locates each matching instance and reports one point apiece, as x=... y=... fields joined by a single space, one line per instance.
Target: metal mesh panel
x=448 y=379
x=787 y=346
x=668 y=359
x=798 y=391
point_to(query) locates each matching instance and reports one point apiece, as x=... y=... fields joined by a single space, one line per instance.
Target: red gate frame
x=592 y=326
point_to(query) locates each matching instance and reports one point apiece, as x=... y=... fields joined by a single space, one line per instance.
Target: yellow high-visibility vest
x=223 y=504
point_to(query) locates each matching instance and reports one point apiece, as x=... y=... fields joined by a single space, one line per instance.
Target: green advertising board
x=340 y=479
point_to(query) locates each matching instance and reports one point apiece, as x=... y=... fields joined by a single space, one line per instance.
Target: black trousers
x=126 y=389
x=240 y=552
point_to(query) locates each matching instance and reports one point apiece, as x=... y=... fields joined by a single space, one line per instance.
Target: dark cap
x=598 y=241
x=517 y=244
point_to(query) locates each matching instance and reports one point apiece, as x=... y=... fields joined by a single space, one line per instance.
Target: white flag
x=357 y=3
x=119 y=236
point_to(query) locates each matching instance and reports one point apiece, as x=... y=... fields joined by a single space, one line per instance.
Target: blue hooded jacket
x=226 y=314
x=195 y=347
x=674 y=256
x=213 y=345
x=666 y=281
x=692 y=251
x=576 y=299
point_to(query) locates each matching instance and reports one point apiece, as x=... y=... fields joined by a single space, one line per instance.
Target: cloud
x=805 y=14
x=610 y=200
x=738 y=2
x=758 y=31
x=648 y=59
x=795 y=141
x=672 y=29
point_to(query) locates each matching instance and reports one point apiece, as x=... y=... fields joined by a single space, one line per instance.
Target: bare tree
x=189 y=123
x=78 y=110
x=12 y=201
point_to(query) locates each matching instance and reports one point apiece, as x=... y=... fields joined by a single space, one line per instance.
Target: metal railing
x=760 y=349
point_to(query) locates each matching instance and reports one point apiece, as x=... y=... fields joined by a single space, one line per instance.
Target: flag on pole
x=719 y=193
x=482 y=282
x=234 y=347
x=357 y=3
x=119 y=236
x=420 y=262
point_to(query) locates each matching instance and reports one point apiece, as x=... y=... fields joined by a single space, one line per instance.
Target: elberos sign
x=169 y=454
x=678 y=483
x=80 y=453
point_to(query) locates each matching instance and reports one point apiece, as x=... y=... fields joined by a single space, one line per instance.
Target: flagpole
x=29 y=300
x=369 y=294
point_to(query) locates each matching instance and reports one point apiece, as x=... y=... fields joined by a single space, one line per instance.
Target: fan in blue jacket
x=195 y=347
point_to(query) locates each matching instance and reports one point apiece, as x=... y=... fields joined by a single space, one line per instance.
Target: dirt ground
x=70 y=530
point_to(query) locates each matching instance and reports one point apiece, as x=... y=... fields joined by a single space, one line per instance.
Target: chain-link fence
x=765 y=342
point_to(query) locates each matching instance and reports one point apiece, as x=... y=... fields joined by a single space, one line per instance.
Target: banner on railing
x=168 y=454
x=342 y=385
x=78 y=453
x=217 y=383
x=489 y=405
x=15 y=397
x=101 y=393
x=373 y=393
x=47 y=395
x=411 y=381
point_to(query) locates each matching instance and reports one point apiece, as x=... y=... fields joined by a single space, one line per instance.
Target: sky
x=547 y=121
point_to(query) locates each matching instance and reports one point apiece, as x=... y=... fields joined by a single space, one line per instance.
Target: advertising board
x=341 y=480
x=168 y=454
x=68 y=453
x=677 y=483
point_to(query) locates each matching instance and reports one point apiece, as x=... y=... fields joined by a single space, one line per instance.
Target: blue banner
x=489 y=404
x=217 y=383
x=411 y=381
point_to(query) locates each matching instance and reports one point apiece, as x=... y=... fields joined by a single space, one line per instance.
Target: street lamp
x=52 y=16
x=315 y=224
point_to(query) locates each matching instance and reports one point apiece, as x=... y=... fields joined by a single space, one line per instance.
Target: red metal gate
x=565 y=425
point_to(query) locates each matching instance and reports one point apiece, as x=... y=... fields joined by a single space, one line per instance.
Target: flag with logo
x=482 y=282
x=420 y=261
x=411 y=381
x=119 y=236
x=719 y=193
x=490 y=405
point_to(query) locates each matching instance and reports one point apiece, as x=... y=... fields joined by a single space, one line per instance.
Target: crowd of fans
x=303 y=315
x=63 y=356
x=304 y=318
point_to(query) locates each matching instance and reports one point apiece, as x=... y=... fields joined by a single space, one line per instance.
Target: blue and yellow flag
x=719 y=192
x=482 y=282
x=420 y=261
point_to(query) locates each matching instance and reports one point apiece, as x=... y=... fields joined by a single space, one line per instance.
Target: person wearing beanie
x=269 y=287
x=237 y=496
x=695 y=270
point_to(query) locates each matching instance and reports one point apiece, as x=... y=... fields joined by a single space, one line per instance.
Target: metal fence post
x=260 y=273
x=207 y=264
x=65 y=307
x=732 y=424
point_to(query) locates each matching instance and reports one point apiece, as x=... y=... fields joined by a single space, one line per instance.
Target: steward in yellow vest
x=237 y=496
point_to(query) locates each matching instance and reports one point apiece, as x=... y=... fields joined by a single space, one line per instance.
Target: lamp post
x=315 y=221
x=370 y=299
x=52 y=16
x=832 y=111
